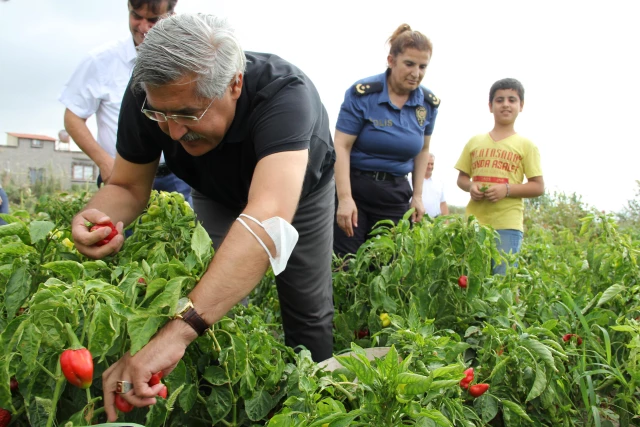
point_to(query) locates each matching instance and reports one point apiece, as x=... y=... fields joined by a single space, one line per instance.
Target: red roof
x=32 y=136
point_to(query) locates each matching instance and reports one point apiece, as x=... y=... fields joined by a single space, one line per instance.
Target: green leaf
x=473 y=287
x=611 y=293
x=16 y=229
x=201 y=243
x=16 y=249
x=216 y=375
x=68 y=269
x=155 y=286
x=487 y=406
x=539 y=384
x=411 y=384
x=17 y=290
x=219 y=403
x=259 y=405
x=516 y=409
x=188 y=397
x=439 y=372
x=142 y=326
x=541 y=350
x=436 y=416
x=39 y=410
x=29 y=345
x=38 y=230
x=499 y=370
x=103 y=330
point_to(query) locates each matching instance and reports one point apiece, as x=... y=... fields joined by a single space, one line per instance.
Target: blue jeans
x=4 y=207
x=169 y=183
x=510 y=242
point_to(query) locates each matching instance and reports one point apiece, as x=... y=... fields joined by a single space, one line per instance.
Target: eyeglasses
x=180 y=119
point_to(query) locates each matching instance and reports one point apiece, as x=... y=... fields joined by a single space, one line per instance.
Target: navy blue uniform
x=388 y=140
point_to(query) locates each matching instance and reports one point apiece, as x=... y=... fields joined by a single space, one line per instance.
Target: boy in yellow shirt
x=493 y=166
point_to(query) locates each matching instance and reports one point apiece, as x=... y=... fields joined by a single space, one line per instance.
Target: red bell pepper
x=462 y=281
x=478 y=390
x=76 y=362
x=111 y=235
x=122 y=404
x=5 y=417
x=464 y=383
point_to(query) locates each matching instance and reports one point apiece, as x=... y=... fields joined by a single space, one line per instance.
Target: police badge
x=421 y=115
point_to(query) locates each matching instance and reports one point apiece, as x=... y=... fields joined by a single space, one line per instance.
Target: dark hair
x=405 y=38
x=506 y=84
x=154 y=5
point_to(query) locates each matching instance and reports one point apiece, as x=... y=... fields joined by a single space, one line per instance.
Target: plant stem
x=60 y=380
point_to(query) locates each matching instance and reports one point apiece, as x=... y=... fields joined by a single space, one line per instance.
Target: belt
x=379 y=176
x=163 y=170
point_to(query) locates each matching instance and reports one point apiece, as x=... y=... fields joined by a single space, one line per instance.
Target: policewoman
x=382 y=134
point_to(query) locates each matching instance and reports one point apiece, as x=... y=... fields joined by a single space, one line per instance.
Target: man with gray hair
x=250 y=135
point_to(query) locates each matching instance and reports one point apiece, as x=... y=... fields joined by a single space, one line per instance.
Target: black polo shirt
x=279 y=109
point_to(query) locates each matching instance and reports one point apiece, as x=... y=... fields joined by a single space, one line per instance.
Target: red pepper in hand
x=163 y=392
x=5 y=417
x=464 y=383
x=122 y=404
x=478 y=390
x=462 y=282
x=111 y=235
x=77 y=362
x=155 y=378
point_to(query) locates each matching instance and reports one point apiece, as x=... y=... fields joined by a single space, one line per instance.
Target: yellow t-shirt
x=501 y=162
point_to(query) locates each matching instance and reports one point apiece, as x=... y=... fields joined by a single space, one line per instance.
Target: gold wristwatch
x=186 y=312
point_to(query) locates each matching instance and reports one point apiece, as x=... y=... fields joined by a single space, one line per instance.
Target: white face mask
x=284 y=237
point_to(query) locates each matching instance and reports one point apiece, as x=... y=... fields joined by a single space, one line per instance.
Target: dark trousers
x=376 y=200
x=304 y=287
x=169 y=183
x=4 y=207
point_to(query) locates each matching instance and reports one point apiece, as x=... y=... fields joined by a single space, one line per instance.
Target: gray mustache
x=191 y=136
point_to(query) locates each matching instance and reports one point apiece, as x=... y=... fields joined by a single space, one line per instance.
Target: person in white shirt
x=433 y=192
x=97 y=87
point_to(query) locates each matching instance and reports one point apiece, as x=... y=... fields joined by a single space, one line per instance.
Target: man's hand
x=476 y=193
x=496 y=193
x=347 y=216
x=161 y=354
x=86 y=240
x=416 y=202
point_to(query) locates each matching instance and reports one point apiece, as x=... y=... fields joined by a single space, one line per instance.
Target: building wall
x=23 y=160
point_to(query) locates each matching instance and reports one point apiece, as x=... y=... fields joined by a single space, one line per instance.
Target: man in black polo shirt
x=248 y=132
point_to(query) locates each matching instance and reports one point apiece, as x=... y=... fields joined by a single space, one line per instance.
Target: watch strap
x=194 y=320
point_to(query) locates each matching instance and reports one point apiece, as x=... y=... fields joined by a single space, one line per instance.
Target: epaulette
x=367 y=88
x=431 y=99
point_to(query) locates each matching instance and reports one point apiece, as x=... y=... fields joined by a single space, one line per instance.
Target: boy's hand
x=496 y=193
x=476 y=193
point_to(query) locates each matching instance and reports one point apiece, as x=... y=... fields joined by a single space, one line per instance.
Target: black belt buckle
x=380 y=176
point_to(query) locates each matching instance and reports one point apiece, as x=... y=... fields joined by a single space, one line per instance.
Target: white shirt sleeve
x=442 y=198
x=82 y=93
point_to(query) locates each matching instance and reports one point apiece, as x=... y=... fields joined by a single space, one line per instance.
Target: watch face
x=183 y=305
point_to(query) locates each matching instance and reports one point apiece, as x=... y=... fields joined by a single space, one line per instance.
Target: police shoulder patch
x=367 y=88
x=430 y=98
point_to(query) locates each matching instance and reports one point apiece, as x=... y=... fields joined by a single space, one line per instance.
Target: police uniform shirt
x=279 y=109
x=389 y=138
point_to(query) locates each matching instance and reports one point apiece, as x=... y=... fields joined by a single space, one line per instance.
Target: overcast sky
x=577 y=60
